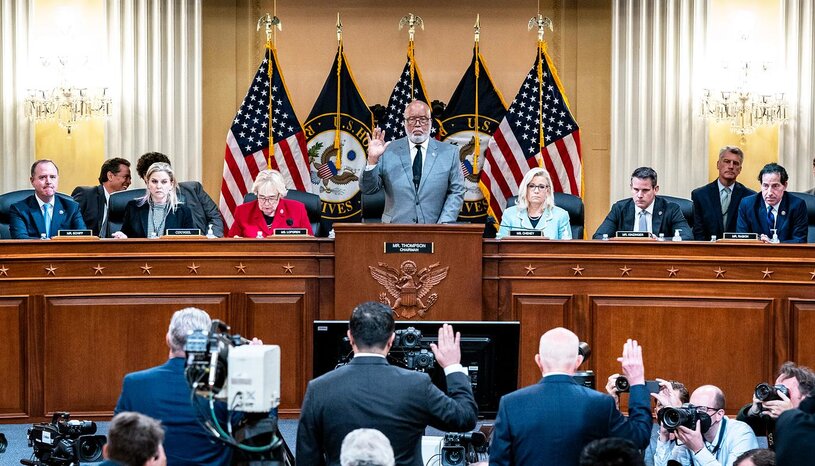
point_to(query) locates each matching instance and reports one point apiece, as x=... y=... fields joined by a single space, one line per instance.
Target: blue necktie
x=46 y=209
x=770 y=218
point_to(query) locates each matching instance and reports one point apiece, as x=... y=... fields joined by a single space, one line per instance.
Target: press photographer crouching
x=791 y=386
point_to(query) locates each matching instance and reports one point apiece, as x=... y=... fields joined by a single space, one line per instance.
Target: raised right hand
x=376 y=146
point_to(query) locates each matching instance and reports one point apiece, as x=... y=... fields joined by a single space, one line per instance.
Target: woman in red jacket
x=270 y=210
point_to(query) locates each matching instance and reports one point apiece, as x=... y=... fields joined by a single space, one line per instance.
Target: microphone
x=289 y=222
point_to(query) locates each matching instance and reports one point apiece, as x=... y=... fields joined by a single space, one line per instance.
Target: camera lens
x=764 y=392
x=622 y=384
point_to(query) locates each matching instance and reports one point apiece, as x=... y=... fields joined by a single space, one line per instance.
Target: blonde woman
x=536 y=209
x=270 y=210
x=150 y=216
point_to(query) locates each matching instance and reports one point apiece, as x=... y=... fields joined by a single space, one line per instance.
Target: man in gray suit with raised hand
x=421 y=177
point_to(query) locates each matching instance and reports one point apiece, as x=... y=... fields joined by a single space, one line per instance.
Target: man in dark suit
x=134 y=439
x=795 y=435
x=190 y=193
x=162 y=393
x=644 y=211
x=93 y=200
x=421 y=176
x=716 y=205
x=774 y=209
x=44 y=213
x=370 y=393
x=550 y=423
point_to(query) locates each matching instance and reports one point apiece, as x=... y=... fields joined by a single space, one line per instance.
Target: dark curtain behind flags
x=247 y=143
x=337 y=154
x=409 y=87
x=537 y=131
x=471 y=117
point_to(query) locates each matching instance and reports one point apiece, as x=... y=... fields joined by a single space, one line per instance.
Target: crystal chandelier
x=742 y=105
x=66 y=103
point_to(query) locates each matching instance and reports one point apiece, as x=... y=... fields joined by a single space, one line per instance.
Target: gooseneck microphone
x=289 y=222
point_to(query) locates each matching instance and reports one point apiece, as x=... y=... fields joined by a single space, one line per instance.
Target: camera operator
x=663 y=446
x=716 y=440
x=369 y=392
x=761 y=415
x=795 y=434
x=134 y=440
x=551 y=422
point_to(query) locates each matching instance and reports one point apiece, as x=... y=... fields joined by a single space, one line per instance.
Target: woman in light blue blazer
x=536 y=209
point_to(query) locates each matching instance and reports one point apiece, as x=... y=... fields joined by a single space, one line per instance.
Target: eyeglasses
x=707 y=409
x=268 y=198
x=419 y=120
x=538 y=187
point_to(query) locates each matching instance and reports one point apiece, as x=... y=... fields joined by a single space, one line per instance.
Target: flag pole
x=338 y=123
x=411 y=21
x=270 y=23
x=541 y=22
x=477 y=69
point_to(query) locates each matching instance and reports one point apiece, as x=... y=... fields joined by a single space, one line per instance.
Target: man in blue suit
x=716 y=204
x=162 y=393
x=774 y=209
x=421 y=177
x=44 y=213
x=550 y=423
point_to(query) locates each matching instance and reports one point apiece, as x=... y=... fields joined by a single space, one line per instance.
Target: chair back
x=573 y=205
x=313 y=203
x=372 y=207
x=810 y=201
x=685 y=205
x=116 y=207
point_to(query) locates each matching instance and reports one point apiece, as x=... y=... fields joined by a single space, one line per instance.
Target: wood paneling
x=537 y=314
x=12 y=358
x=802 y=331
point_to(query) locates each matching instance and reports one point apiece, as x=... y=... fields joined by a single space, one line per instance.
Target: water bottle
x=661 y=237
x=605 y=236
x=210 y=233
x=677 y=237
x=712 y=238
x=775 y=239
x=259 y=235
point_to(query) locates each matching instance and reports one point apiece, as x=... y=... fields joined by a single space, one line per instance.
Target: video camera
x=585 y=378
x=766 y=392
x=687 y=415
x=412 y=350
x=63 y=442
x=462 y=448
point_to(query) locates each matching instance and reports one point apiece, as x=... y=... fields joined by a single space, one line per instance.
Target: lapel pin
x=62 y=212
x=783 y=212
x=659 y=213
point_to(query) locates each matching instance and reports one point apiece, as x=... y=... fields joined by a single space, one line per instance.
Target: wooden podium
x=423 y=272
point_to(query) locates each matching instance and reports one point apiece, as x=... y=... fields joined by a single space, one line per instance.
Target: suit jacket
x=441 y=189
x=666 y=218
x=136 y=217
x=204 y=211
x=249 y=219
x=162 y=393
x=554 y=223
x=92 y=205
x=791 y=219
x=795 y=435
x=707 y=210
x=368 y=392
x=26 y=218
x=549 y=423
x=811 y=191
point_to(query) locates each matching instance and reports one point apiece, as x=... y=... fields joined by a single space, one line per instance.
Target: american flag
x=515 y=145
x=393 y=123
x=247 y=142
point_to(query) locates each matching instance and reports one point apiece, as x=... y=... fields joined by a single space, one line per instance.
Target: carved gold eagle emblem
x=408 y=286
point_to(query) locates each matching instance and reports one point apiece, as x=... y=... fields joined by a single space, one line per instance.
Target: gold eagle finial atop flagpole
x=541 y=22
x=270 y=22
x=411 y=21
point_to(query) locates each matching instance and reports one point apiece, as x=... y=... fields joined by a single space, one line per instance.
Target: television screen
x=489 y=353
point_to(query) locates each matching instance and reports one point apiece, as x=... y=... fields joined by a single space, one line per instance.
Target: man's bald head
x=558 y=351
x=710 y=396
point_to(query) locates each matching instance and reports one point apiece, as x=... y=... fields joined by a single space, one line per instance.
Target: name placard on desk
x=416 y=248
x=741 y=236
x=633 y=234
x=526 y=233
x=74 y=233
x=290 y=232
x=183 y=232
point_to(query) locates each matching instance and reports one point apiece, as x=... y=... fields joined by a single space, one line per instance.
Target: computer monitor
x=489 y=352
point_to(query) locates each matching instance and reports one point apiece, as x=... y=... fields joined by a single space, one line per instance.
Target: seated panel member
x=716 y=205
x=645 y=211
x=93 y=200
x=270 y=210
x=536 y=209
x=150 y=216
x=44 y=213
x=774 y=208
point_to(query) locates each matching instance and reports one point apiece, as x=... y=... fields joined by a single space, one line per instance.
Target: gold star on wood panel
x=812 y=274
x=530 y=270
x=4 y=271
x=288 y=268
x=51 y=270
x=145 y=269
x=767 y=273
x=720 y=272
x=241 y=268
x=672 y=271
x=578 y=270
x=98 y=270
x=625 y=271
x=193 y=268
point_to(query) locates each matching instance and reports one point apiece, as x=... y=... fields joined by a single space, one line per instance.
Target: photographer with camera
x=795 y=434
x=551 y=422
x=702 y=429
x=791 y=386
x=369 y=392
x=134 y=440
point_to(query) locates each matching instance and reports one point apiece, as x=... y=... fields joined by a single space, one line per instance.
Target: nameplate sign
x=74 y=233
x=290 y=232
x=416 y=248
x=526 y=233
x=741 y=236
x=183 y=232
x=633 y=234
